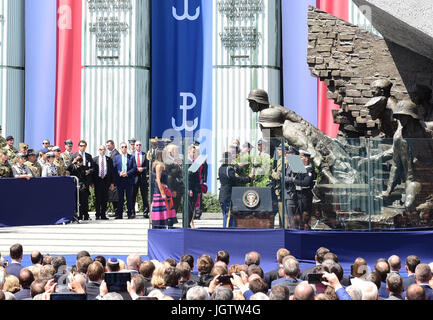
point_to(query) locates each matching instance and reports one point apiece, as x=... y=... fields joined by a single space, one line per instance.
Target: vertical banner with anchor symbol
x=182 y=68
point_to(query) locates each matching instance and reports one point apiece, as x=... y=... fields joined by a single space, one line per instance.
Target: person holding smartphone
x=77 y=169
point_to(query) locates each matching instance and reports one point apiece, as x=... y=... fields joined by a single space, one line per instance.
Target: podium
x=254 y=207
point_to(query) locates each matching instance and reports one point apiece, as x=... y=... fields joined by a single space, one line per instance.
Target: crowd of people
x=216 y=278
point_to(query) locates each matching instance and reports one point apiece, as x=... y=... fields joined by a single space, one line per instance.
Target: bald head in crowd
x=252 y=257
x=134 y=261
x=304 y=291
x=415 y=292
x=36 y=257
x=394 y=263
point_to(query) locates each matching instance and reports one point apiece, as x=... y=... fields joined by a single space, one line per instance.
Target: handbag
x=168 y=198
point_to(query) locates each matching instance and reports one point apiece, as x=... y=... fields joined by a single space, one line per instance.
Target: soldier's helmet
x=408 y=108
x=259 y=96
x=271 y=118
x=382 y=84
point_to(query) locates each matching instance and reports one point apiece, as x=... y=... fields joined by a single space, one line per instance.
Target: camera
x=314 y=278
x=225 y=279
x=117 y=281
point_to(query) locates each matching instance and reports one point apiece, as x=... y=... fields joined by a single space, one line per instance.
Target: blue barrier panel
x=39 y=201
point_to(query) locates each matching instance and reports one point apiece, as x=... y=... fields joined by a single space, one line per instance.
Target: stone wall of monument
x=349 y=59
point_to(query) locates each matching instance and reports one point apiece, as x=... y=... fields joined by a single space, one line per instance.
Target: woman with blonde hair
x=12 y=284
x=158 y=276
x=163 y=214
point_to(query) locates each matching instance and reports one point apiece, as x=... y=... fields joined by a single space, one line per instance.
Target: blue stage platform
x=302 y=244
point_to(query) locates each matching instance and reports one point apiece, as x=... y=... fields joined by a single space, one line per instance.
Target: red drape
x=68 y=87
x=340 y=9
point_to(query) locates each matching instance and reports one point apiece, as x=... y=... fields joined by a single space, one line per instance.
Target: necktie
x=138 y=161
x=102 y=168
x=124 y=163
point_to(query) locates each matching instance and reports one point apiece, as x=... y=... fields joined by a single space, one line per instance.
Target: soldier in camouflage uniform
x=66 y=156
x=33 y=164
x=11 y=150
x=58 y=162
x=2 y=140
x=5 y=167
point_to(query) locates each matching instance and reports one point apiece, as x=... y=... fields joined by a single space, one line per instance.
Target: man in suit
x=382 y=267
x=394 y=284
x=394 y=262
x=16 y=254
x=112 y=153
x=26 y=278
x=141 y=182
x=291 y=273
x=277 y=273
x=423 y=275
x=103 y=179
x=88 y=166
x=319 y=258
x=171 y=279
x=95 y=274
x=125 y=172
x=411 y=264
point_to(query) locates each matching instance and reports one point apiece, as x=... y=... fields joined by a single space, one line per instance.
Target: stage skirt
x=161 y=217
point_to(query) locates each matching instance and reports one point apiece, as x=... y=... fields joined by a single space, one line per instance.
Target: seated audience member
x=252 y=257
x=16 y=254
x=136 y=288
x=277 y=273
x=190 y=260
x=218 y=270
x=382 y=267
x=36 y=257
x=334 y=288
x=319 y=258
x=354 y=292
x=197 y=293
x=95 y=275
x=146 y=270
x=411 y=262
x=304 y=291
x=369 y=291
x=423 y=275
x=47 y=272
x=415 y=292
x=83 y=263
x=134 y=261
x=255 y=269
x=102 y=260
x=171 y=262
x=223 y=256
x=394 y=285
x=47 y=259
x=291 y=273
x=113 y=265
x=204 y=267
x=25 y=279
x=222 y=293
x=171 y=279
x=59 y=264
x=375 y=277
x=12 y=284
x=158 y=277
x=259 y=296
x=37 y=287
x=360 y=271
x=279 y=293
x=394 y=262
x=332 y=266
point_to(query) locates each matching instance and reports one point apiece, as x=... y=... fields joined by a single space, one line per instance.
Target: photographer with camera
x=77 y=169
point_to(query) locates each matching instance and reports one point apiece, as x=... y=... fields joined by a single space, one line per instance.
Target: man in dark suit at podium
x=125 y=172
x=103 y=179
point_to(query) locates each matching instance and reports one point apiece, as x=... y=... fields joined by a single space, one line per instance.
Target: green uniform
x=5 y=170
x=12 y=154
x=2 y=142
x=262 y=164
x=61 y=168
x=35 y=168
x=243 y=165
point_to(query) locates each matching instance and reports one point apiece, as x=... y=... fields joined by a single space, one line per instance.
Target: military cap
x=20 y=155
x=50 y=154
x=382 y=83
x=259 y=96
x=23 y=145
x=293 y=150
x=196 y=143
x=31 y=152
x=304 y=153
x=280 y=147
x=10 y=138
x=260 y=142
x=132 y=140
x=69 y=142
x=154 y=140
x=408 y=108
x=56 y=148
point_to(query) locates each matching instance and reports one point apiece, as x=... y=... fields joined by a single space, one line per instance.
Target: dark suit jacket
x=131 y=170
x=141 y=178
x=228 y=180
x=383 y=292
x=408 y=281
x=428 y=291
x=109 y=178
x=22 y=294
x=14 y=269
x=393 y=297
x=305 y=273
x=289 y=283
x=194 y=180
x=174 y=292
x=89 y=166
x=272 y=276
x=114 y=154
x=92 y=290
